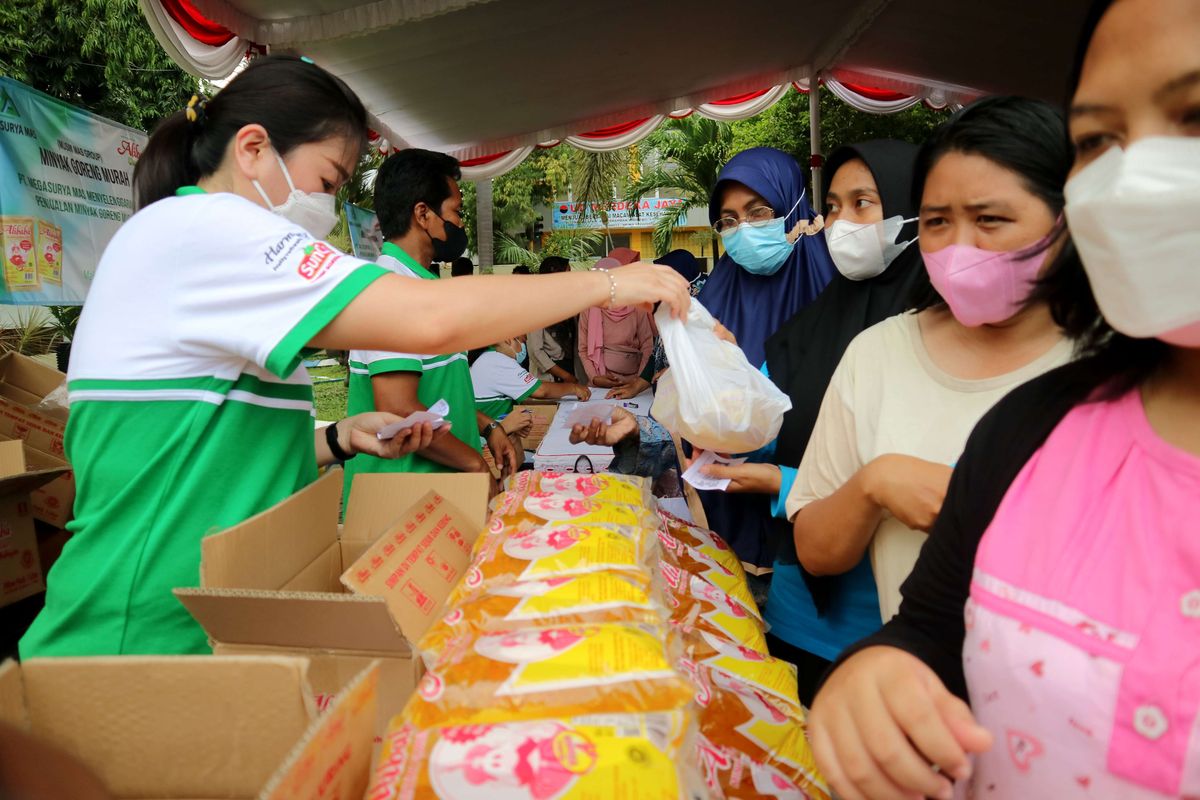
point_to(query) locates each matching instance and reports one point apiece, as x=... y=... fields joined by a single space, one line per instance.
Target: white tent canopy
x=478 y=78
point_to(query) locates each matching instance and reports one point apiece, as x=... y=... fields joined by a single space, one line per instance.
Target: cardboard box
x=272 y=584
x=21 y=572
x=191 y=727
x=53 y=503
x=25 y=382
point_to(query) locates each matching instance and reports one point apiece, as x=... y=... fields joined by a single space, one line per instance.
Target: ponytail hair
x=295 y=100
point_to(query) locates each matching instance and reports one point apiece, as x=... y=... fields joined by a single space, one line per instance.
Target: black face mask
x=453 y=246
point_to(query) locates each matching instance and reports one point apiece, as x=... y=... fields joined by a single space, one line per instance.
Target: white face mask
x=862 y=251
x=1132 y=215
x=314 y=212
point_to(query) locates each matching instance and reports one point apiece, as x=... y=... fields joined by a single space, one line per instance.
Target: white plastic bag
x=712 y=396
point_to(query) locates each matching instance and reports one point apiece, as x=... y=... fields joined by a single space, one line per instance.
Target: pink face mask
x=984 y=286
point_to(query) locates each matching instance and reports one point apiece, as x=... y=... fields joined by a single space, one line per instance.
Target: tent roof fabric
x=474 y=78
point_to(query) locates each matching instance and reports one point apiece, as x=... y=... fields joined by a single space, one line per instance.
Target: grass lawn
x=330 y=395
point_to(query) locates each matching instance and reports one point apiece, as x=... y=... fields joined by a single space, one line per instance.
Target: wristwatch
x=491 y=426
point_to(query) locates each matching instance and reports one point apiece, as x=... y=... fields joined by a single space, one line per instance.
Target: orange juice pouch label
x=20 y=257
x=49 y=251
x=596 y=757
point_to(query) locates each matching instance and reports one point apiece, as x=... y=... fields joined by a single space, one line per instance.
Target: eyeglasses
x=759 y=215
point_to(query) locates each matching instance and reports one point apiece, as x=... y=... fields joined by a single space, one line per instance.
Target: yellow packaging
x=514 y=507
x=577 y=599
x=605 y=487
x=705 y=541
x=696 y=604
x=772 y=676
x=753 y=744
x=533 y=551
x=530 y=673
x=49 y=252
x=20 y=259
x=681 y=557
x=600 y=757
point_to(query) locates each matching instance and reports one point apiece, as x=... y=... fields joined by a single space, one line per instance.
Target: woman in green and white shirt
x=190 y=411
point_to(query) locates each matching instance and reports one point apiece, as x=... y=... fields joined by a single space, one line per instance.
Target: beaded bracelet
x=612 y=287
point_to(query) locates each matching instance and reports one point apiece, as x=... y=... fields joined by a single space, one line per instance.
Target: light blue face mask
x=521 y=354
x=760 y=248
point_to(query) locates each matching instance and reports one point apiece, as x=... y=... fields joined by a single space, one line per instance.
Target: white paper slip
x=701 y=481
x=436 y=415
x=584 y=413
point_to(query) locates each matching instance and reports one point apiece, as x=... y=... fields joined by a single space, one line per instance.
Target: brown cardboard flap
x=416 y=563
x=26 y=482
x=172 y=726
x=12 y=458
x=12 y=695
x=293 y=619
x=378 y=500
x=319 y=576
x=334 y=758
x=29 y=376
x=269 y=549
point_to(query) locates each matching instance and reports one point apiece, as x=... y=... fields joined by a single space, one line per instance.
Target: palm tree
x=689 y=155
x=595 y=177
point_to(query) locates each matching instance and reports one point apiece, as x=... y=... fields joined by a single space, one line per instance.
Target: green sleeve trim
x=536 y=385
x=386 y=365
x=287 y=354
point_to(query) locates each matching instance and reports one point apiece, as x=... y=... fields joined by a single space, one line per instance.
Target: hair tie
x=195 y=109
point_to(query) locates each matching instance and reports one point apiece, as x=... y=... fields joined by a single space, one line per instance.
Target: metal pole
x=484 y=237
x=814 y=133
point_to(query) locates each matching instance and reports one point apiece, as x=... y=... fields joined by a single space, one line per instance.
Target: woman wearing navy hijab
x=760 y=282
x=763 y=279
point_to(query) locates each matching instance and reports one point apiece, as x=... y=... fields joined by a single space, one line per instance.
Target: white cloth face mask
x=315 y=212
x=863 y=250
x=1132 y=215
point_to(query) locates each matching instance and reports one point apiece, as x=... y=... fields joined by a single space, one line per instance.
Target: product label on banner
x=366 y=240
x=66 y=185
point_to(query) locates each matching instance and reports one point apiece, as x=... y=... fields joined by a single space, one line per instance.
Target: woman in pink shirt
x=615 y=343
x=1059 y=592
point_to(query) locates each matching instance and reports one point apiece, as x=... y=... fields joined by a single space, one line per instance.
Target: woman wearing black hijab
x=870 y=238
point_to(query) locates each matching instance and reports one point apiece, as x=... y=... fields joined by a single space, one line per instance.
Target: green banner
x=66 y=180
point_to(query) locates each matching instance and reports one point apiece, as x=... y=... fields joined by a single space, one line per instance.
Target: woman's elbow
x=820 y=558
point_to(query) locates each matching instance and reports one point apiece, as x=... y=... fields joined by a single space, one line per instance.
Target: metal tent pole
x=814 y=132
x=484 y=237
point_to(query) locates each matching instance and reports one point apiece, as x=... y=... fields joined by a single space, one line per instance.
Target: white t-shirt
x=887 y=396
x=499 y=383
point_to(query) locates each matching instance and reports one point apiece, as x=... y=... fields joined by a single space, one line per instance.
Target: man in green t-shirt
x=419 y=205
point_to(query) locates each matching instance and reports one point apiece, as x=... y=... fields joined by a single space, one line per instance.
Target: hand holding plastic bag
x=712 y=396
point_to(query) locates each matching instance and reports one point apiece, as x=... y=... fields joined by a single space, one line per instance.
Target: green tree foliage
x=785 y=126
x=98 y=54
x=684 y=157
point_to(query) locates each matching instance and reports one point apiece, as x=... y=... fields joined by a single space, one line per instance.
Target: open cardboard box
x=21 y=572
x=24 y=383
x=193 y=727
x=273 y=583
x=54 y=502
